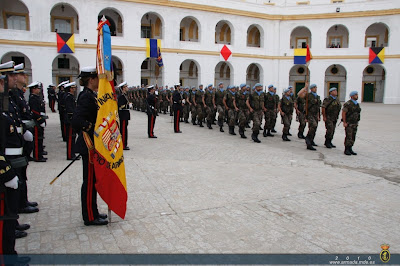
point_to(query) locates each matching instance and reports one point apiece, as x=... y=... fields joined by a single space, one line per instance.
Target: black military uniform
x=70 y=105
x=83 y=121
x=124 y=116
x=36 y=105
x=51 y=94
x=61 y=108
x=177 y=107
x=151 y=101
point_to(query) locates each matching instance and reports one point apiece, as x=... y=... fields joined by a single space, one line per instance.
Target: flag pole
x=109 y=216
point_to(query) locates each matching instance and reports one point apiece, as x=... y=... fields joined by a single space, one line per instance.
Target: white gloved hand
x=43 y=125
x=28 y=136
x=13 y=183
x=130 y=105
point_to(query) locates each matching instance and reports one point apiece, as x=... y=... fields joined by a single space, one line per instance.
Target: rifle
x=76 y=158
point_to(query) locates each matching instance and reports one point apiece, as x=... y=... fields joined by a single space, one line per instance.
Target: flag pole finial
x=103 y=19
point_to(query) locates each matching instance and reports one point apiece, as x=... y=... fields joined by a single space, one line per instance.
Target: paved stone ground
x=209 y=192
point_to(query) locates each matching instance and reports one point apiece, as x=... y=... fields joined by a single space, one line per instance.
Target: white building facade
x=261 y=34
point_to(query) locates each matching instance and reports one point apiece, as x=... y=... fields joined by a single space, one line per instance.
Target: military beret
x=353 y=93
x=258 y=85
x=270 y=86
x=221 y=83
x=286 y=90
x=209 y=85
x=333 y=89
x=248 y=86
x=290 y=87
x=242 y=85
x=313 y=86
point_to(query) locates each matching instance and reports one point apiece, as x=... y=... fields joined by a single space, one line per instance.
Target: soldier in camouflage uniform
x=255 y=103
x=199 y=103
x=276 y=111
x=193 y=106
x=241 y=98
x=330 y=112
x=293 y=99
x=219 y=96
x=230 y=105
x=286 y=110
x=209 y=105
x=313 y=113
x=270 y=113
x=350 y=116
x=186 y=106
x=299 y=105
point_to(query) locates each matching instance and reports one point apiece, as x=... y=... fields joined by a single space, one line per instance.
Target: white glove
x=28 y=136
x=130 y=105
x=43 y=125
x=13 y=183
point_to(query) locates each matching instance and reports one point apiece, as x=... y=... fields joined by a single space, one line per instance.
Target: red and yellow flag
x=108 y=158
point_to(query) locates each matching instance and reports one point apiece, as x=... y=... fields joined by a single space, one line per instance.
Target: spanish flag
x=302 y=56
x=153 y=47
x=108 y=157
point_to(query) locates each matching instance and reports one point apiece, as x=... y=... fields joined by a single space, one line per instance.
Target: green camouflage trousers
x=257 y=119
x=231 y=117
x=351 y=131
x=209 y=113
x=221 y=114
x=185 y=112
x=243 y=117
x=193 y=112
x=312 y=126
x=287 y=120
x=200 y=112
x=270 y=119
x=330 y=125
x=302 y=121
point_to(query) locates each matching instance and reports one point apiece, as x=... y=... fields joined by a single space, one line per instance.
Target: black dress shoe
x=44 y=152
x=273 y=130
x=30 y=159
x=28 y=209
x=20 y=234
x=97 y=221
x=22 y=227
x=41 y=160
x=31 y=203
x=178 y=131
x=153 y=137
x=103 y=216
x=126 y=148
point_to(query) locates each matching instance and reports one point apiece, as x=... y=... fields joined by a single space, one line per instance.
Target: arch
x=19 y=58
x=189 y=29
x=254 y=33
x=14 y=15
x=118 y=68
x=188 y=73
x=297 y=77
x=115 y=18
x=223 y=73
x=253 y=74
x=377 y=35
x=300 y=37
x=223 y=32
x=64 y=67
x=373 y=83
x=337 y=37
x=151 y=26
x=151 y=73
x=64 y=18
x=336 y=76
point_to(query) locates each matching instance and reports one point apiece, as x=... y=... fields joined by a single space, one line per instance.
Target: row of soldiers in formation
x=238 y=105
x=22 y=133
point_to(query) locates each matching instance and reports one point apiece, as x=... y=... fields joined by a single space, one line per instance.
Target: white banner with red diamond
x=225 y=52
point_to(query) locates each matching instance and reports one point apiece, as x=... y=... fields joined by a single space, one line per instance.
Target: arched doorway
x=337 y=37
x=300 y=38
x=151 y=26
x=118 y=70
x=223 y=32
x=253 y=75
x=377 y=35
x=189 y=30
x=151 y=73
x=223 y=73
x=65 y=67
x=373 y=84
x=188 y=73
x=64 y=19
x=297 y=77
x=336 y=76
x=19 y=58
x=254 y=36
x=115 y=19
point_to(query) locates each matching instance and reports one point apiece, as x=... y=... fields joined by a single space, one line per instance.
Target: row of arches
x=66 y=67
x=65 y=19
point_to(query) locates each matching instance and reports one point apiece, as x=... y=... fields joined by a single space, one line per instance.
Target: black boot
x=209 y=125
x=269 y=133
x=285 y=138
x=327 y=144
x=247 y=125
x=351 y=150
x=232 y=130
x=221 y=129
x=309 y=145
x=201 y=124
x=300 y=135
x=186 y=121
x=289 y=134
x=241 y=132
x=330 y=142
x=265 y=133
x=194 y=122
x=313 y=143
x=273 y=130
x=347 y=150
x=254 y=137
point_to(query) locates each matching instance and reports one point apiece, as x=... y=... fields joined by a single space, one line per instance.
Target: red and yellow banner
x=108 y=158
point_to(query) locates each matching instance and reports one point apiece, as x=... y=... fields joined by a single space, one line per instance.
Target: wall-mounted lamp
x=338 y=9
x=335 y=27
x=85 y=40
x=62 y=8
x=147 y=16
